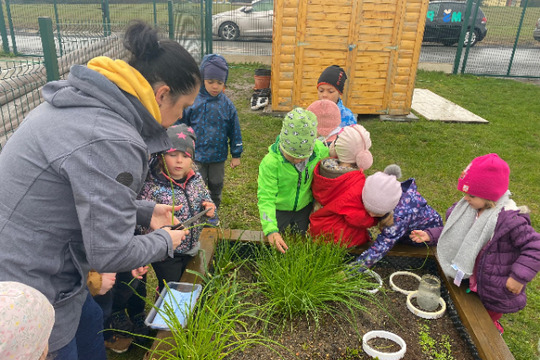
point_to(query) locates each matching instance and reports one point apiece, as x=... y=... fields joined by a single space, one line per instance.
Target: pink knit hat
x=328 y=116
x=352 y=146
x=381 y=193
x=486 y=177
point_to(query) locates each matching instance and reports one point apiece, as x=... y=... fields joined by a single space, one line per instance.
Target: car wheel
x=229 y=31
x=474 y=38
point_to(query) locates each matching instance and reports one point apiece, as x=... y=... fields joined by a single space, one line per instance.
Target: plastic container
x=182 y=299
x=383 y=355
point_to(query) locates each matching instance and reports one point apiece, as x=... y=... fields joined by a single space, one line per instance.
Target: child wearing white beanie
x=337 y=189
x=26 y=321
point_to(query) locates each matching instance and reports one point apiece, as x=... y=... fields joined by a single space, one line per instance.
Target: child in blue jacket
x=215 y=121
x=330 y=87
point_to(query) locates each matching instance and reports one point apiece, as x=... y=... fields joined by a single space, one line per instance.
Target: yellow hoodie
x=128 y=79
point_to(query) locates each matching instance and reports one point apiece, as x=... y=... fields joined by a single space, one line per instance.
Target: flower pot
x=262 y=79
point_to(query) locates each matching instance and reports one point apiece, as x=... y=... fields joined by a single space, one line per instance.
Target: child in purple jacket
x=488 y=239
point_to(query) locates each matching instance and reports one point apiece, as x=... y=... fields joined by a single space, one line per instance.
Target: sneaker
x=118 y=343
x=120 y=321
x=140 y=328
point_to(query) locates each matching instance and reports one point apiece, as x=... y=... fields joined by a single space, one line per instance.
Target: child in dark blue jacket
x=215 y=121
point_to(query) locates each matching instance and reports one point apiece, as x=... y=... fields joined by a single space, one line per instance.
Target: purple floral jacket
x=514 y=250
x=411 y=213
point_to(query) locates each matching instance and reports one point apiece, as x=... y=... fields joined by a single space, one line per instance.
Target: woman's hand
x=107 y=282
x=211 y=205
x=177 y=236
x=276 y=240
x=419 y=236
x=162 y=216
x=513 y=286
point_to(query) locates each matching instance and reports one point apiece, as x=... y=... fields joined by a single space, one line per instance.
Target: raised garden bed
x=466 y=326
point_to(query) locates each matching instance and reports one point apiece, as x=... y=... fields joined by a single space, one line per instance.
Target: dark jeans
x=213 y=175
x=122 y=296
x=171 y=269
x=88 y=343
x=297 y=221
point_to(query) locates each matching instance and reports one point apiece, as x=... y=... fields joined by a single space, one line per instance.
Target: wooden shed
x=377 y=42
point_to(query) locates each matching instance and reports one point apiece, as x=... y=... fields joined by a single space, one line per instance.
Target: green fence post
x=11 y=30
x=155 y=14
x=208 y=27
x=464 y=28
x=3 y=31
x=49 y=50
x=106 y=17
x=464 y=65
x=170 y=8
x=57 y=18
x=524 y=4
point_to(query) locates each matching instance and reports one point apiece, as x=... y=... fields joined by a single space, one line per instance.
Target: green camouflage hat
x=298 y=133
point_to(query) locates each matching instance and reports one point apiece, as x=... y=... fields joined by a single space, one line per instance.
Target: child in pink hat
x=328 y=120
x=487 y=239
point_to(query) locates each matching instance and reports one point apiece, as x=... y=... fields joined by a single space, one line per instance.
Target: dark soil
x=337 y=339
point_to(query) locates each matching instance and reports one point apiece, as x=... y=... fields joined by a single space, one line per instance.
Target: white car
x=253 y=20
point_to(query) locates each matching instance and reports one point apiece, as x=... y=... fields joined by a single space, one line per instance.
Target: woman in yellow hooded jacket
x=71 y=173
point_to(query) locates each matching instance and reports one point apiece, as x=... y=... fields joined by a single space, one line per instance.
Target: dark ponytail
x=161 y=60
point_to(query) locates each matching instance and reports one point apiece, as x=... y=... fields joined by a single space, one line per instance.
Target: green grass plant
x=309 y=280
x=217 y=327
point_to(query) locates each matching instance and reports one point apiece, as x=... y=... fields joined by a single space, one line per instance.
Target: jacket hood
x=85 y=87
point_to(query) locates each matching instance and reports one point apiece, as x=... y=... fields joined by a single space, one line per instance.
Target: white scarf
x=464 y=236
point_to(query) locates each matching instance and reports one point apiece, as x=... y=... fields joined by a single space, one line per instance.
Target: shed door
x=361 y=37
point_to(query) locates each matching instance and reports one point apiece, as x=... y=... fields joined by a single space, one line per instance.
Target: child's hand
x=276 y=240
x=514 y=286
x=419 y=236
x=211 y=205
x=107 y=282
x=235 y=162
x=139 y=272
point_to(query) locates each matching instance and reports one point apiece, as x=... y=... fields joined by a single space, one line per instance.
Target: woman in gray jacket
x=71 y=173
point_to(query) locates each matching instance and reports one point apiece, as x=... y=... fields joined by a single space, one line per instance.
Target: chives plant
x=309 y=280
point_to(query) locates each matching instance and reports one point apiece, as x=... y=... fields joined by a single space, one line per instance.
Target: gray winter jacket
x=69 y=179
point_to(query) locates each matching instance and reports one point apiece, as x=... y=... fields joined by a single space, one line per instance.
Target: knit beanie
x=352 y=146
x=183 y=139
x=486 y=177
x=335 y=76
x=214 y=67
x=298 y=133
x=382 y=191
x=26 y=321
x=328 y=116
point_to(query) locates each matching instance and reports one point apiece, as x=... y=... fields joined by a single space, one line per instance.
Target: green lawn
x=434 y=153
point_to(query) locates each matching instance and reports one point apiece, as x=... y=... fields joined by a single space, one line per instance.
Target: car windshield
x=264 y=5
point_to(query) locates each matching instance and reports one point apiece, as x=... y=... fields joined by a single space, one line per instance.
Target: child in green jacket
x=285 y=175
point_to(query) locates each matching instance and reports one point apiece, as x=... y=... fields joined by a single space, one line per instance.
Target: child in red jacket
x=338 y=181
